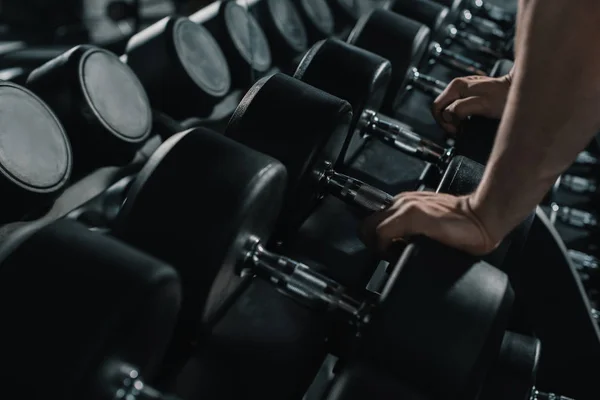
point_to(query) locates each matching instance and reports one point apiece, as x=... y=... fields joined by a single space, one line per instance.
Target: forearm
x=552 y=112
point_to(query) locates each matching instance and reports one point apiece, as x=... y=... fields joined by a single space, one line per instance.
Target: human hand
x=442 y=217
x=472 y=95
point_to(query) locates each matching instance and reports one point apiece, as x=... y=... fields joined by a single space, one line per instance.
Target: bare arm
x=552 y=112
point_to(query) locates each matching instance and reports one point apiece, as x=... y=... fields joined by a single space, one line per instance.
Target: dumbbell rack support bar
x=399 y=137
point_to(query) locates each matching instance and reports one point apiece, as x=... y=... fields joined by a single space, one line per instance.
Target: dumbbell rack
x=263 y=322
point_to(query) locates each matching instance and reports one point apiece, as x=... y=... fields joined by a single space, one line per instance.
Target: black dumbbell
x=318 y=19
x=35 y=154
x=100 y=306
x=362 y=78
x=347 y=12
x=483 y=9
x=181 y=66
x=515 y=371
x=439 y=19
x=101 y=102
x=241 y=38
x=233 y=210
x=272 y=119
x=574 y=217
x=404 y=43
x=284 y=27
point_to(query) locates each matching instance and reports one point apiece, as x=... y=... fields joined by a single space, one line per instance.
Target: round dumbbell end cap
x=115 y=95
x=320 y=15
x=289 y=23
x=247 y=36
x=35 y=154
x=201 y=57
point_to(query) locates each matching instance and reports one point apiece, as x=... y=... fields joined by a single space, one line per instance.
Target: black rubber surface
x=101 y=103
x=299 y=125
x=91 y=298
x=35 y=154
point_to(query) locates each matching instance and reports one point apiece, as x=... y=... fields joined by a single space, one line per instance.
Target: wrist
x=488 y=220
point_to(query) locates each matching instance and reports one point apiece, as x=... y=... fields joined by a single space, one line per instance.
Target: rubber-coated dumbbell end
x=392 y=133
x=188 y=74
x=100 y=101
x=454 y=60
x=120 y=380
x=300 y=282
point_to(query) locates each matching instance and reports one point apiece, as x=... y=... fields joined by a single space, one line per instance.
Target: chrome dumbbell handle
x=483 y=25
x=425 y=83
x=301 y=282
x=126 y=384
x=400 y=137
x=537 y=395
x=455 y=60
x=366 y=198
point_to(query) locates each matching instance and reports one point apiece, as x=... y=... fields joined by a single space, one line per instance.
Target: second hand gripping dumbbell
x=234 y=210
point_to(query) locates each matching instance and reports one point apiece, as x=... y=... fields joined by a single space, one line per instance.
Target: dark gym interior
x=294 y=120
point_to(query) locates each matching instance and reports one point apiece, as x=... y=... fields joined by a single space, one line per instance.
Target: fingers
x=454 y=91
x=464 y=108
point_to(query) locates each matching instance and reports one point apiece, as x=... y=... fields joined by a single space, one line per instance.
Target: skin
x=550 y=111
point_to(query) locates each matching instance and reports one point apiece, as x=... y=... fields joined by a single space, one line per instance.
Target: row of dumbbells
x=163 y=210
x=105 y=108
x=258 y=182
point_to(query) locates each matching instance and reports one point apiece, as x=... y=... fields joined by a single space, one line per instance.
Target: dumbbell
x=515 y=371
x=101 y=102
x=233 y=210
x=347 y=12
x=363 y=80
x=35 y=156
x=317 y=17
x=272 y=119
x=94 y=314
x=404 y=43
x=241 y=38
x=483 y=9
x=574 y=217
x=284 y=28
x=181 y=67
x=439 y=19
